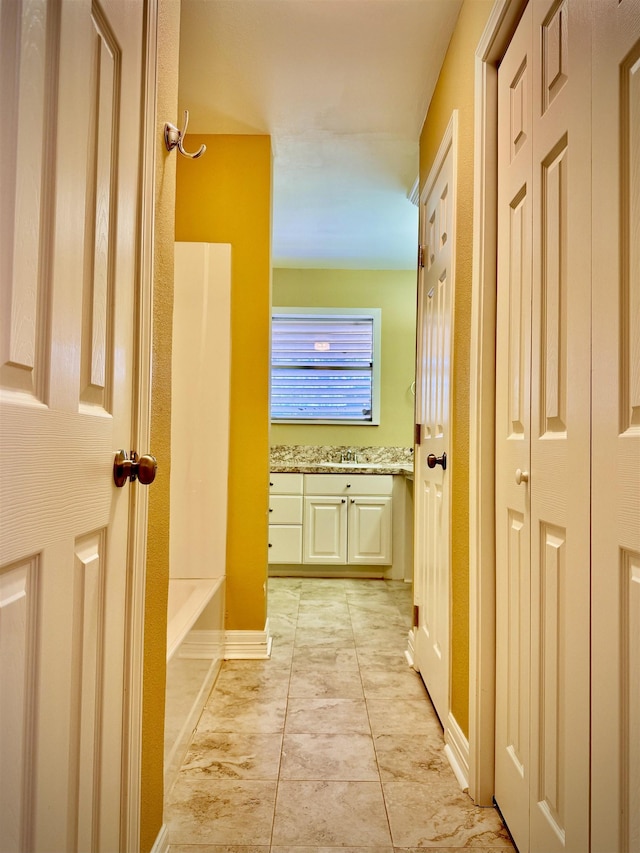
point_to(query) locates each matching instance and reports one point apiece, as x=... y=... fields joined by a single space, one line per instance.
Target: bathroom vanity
x=341 y=518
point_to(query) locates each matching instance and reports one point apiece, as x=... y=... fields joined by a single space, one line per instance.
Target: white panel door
x=513 y=432
x=543 y=458
x=69 y=185
x=432 y=575
x=325 y=530
x=369 y=531
x=615 y=764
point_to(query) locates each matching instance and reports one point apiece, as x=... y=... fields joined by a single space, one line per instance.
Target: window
x=325 y=365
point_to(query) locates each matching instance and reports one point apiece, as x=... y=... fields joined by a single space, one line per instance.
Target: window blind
x=322 y=367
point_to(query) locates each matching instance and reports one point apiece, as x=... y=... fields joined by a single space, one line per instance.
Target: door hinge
x=420 y=257
x=417 y=435
x=416 y=616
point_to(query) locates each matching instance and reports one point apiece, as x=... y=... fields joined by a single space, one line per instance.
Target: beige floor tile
x=402 y=685
x=332 y=683
x=438 y=814
x=232 y=714
x=311 y=656
x=415 y=716
x=314 y=849
x=451 y=849
x=253 y=681
x=218 y=848
x=220 y=812
x=392 y=660
x=411 y=757
x=347 y=757
x=326 y=716
x=319 y=638
x=330 y=814
x=233 y=755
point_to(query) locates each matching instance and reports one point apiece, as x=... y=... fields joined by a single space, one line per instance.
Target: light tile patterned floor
x=332 y=743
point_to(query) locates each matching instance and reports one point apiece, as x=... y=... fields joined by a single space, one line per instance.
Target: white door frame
x=141 y=430
x=482 y=593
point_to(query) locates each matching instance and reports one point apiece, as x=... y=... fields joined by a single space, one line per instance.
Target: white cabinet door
x=369 y=540
x=285 y=543
x=325 y=530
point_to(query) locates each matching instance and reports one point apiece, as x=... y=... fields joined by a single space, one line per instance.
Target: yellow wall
x=455 y=91
x=394 y=291
x=225 y=197
x=157 y=579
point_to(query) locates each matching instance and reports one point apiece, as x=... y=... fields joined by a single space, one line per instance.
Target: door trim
x=141 y=431
x=492 y=46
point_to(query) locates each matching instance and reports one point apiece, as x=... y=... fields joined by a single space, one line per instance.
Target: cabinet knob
x=270 y=509
x=348 y=485
x=344 y=500
x=353 y=500
x=269 y=544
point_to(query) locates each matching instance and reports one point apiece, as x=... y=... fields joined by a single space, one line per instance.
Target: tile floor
x=332 y=743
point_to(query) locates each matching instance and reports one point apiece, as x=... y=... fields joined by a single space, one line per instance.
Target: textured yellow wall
x=157 y=580
x=225 y=197
x=394 y=291
x=455 y=90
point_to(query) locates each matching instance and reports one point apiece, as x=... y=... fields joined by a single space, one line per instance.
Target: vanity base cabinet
x=338 y=523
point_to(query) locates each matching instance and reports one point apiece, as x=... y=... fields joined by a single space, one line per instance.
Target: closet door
x=513 y=399
x=560 y=427
x=615 y=767
x=543 y=430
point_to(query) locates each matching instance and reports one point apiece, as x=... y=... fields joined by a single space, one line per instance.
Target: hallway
x=332 y=743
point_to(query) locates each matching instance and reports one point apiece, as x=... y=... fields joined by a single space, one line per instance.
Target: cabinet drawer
x=285 y=484
x=285 y=509
x=285 y=543
x=348 y=484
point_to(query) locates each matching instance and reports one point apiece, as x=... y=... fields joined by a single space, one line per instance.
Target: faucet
x=349 y=456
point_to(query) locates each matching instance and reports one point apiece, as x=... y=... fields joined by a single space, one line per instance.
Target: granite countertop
x=325 y=460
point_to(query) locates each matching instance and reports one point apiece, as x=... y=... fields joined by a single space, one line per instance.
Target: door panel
x=544 y=193
x=513 y=425
x=432 y=579
x=615 y=641
x=69 y=220
x=560 y=426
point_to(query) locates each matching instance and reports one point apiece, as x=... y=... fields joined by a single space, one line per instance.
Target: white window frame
x=375 y=314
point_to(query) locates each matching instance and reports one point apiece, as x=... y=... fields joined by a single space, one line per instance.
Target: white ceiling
x=342 y=87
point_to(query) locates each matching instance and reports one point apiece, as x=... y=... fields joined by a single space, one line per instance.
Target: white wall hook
x=173 y=138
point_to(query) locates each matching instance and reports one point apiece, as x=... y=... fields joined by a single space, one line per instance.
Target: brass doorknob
x=134 y=468
x=433 y=460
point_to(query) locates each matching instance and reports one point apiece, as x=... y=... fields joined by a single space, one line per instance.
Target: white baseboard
x=161 y=844
x=410 y=651
x=248 y=645
x=457 y=751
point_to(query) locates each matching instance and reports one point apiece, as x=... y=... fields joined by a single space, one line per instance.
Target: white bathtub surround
x=192 y=667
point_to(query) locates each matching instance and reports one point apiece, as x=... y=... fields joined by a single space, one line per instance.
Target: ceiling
x=342 y=87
